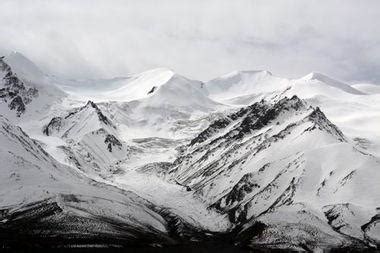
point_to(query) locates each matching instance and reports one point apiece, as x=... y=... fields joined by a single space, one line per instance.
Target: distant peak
x=331 y=82
x=315 y=76
x=159 y=71
x=247 y=72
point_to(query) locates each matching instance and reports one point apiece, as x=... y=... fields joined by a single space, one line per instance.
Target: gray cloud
x=200 y=39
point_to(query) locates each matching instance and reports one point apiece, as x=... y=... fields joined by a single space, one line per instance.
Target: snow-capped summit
x=270 y=161
x=240 y=83
x=180 y=92
x=138 y=86
x=315 y=77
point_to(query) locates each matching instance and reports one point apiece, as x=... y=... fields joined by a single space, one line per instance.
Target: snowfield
x=156 y=159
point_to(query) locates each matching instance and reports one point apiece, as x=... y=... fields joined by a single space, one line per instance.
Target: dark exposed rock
x=55 y=123
x=152 y=90
x=222 y=123
x=14 y=91
x=111 y=141
x=245 y=185
x=17 y=104
x=253 y=117
x=321 y=122
x=44 y=224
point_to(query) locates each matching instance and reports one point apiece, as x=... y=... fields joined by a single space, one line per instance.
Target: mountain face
x=47 y=203
x=159 y=160
x=13 y=91
x=24 y=90
x=92 y=141
x=264 y=163
x=79 y=122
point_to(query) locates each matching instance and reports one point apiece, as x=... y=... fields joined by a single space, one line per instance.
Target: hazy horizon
x=201 y=40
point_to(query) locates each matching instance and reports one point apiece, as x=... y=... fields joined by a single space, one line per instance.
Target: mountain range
x=158 y=160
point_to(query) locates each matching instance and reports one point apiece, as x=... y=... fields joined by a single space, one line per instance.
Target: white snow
x=154 y=113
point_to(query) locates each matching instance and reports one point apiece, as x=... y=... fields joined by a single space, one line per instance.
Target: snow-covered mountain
x=157 y=159
x=40 y=194
x=46 y=203
x=267 y=161
x=342 y=103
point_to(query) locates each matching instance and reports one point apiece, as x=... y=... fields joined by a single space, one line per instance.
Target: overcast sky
x=197 y=38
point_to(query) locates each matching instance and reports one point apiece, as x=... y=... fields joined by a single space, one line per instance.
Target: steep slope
x=267 y=162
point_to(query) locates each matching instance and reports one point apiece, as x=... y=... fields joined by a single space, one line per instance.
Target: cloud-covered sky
x=197 y=38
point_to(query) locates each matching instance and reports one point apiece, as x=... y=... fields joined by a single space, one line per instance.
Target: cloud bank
x=199 y=39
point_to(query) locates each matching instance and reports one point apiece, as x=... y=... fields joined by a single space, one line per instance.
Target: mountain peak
x=245 y=73
x=315 y=76
x=91 y=104
x=322 y=78
x=79 y=122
